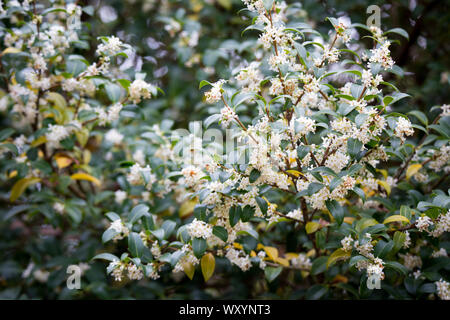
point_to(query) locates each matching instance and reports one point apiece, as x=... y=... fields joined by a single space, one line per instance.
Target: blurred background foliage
x=179 y=43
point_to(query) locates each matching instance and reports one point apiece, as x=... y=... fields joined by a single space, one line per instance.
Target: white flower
x=59 y=207
x=114 y=111
x=402 y=128
x=347 y=243
x=156 y=250
x=114 y=136
x=120 y=196
x=442 y=225
x=119 y=227
x=110 y=46
x=382 y=55
x=199 y=229
x=215 y=94
x=443 y=289
x=41 y=275
x=56 y=133
x=241 y=260
x=302 y=262
x=140 y=89
x=139 y=156
x=407 y=242
x=134 y=273
x=423 y=223
x=192 y=175
x=440 y=253
x=296 y=214
x=411 y=261
x=303 y=126
x=227 y=116
x=417 y=274
x=445 y=110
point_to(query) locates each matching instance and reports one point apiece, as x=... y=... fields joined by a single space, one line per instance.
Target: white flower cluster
x=403 y=127
x=238 y=258
x=121 y=230
x=140 y=89
x=302 y=261
x=111 y=46
x=215 y=94
x=120 y=268
x=141 y=175
x=435 y=228
x=199 y=229
x=347 y=243
x=227 y=116
x=443 y=289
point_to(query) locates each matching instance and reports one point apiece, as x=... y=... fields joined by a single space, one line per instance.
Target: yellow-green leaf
x=39 y=141
x=189 y=269
x=396 y=218
x=295 y=173
x=225 y=3
x=283 y=261
x=62 y=161
x=385 y=185
x=82 y=136
x=312 y=227
x=57 y=99
x=365 y=223
x=412 y=170
x=188 y=207
x=85 y=176
x=20 y=186
x=208 y=264
x=338 y=255
x=272 y=253
x=10 y=50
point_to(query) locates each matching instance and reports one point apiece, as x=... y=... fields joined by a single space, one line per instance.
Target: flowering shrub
x=55 y=105
x=319 y=186
x=328 y=162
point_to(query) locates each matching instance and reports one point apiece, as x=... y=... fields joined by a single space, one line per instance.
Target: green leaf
x=336 y=210
x=399 y=240
x=353 y=147
x=316 y=292
x=302 y=151
x=113 y=91
x=106 y=256
x=383 y=248
x=203 y=83
x=137 y=212
x=220 y=232
x=420 y=115
x=234 y=214
x=108 y=235
x=334 y=183
x=254 y=175
x=360 y=193
x=398 y=31
x=396 y=266
x=135 y=245
x=337 y=255
x=6 y=133
x=319 y=265
x=314 y=187
x=247 y=213
x=198 y=246
x=272 y=273
x=262 y=204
